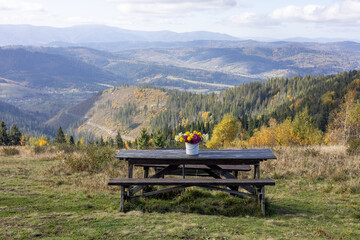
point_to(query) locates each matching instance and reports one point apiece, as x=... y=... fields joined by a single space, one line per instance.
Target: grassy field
x=317 y=196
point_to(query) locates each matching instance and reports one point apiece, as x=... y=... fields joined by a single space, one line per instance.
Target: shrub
x=93 y=158
x=10 y=151
x=65 y=147
x=354 y=147
x=37 y=149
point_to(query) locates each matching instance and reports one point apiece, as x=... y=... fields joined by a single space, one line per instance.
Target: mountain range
x=56 y=68
x=39 y=35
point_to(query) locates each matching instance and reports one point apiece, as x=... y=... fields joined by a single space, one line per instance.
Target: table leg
x=122 y=199
x=159 y=174
x=130 y=170
x=130 y=175
x=224 y=173
x=236 y=175
x=256 y=170
x=146 y=175
x=219 y=171
x=183 y=171
x=183 y=175
x=146 y=172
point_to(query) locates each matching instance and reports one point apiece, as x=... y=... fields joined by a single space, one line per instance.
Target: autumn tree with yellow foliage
x=345 y=124
x=304 y=129
x=300 y=131
x=274 y=135
x=224 y=132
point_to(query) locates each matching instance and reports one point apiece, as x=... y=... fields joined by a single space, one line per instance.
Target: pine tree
x=71 y=141
x=15 y=135
x=143 y=140
x=159 y=139
x=60 y=136
x=4 y=138
x=101 y=142
x=111 y=142
x=119 y=140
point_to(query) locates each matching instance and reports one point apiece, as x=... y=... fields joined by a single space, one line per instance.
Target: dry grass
x=329 y=164
x=316 y=197
x=28 y=153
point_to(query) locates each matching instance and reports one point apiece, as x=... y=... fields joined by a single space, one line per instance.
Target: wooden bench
x=194 y=170
x=256 y=187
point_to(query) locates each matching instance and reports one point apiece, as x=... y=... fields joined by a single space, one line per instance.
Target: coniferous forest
x=327 y=106
x=254 y=104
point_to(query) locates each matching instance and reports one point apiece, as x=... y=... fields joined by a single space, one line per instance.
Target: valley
x=54 y=78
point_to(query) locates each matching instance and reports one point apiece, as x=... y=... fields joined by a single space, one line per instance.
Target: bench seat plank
x=190 y=181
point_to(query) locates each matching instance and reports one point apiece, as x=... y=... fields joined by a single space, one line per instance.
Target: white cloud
x=341 y=11
x=250 y=19
x=80 y=20
x=153 y=14
x=174 y=7
x=15 y=5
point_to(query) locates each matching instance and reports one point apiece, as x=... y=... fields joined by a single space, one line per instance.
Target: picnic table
x=215 y=161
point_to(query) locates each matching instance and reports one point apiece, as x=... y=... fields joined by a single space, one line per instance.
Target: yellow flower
x=187 y=133
x=181 y=139
x=42 y=143
x=195 y=132
x=199 y=133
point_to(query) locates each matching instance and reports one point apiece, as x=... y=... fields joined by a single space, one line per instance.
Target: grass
x=316 y=197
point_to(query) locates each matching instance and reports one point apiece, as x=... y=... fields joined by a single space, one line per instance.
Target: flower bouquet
x=192 y=141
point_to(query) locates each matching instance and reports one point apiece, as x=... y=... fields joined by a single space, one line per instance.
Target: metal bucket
x=192 y=149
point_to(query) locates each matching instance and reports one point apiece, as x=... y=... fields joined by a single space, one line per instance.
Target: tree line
x=11 y=137
x=330 y=101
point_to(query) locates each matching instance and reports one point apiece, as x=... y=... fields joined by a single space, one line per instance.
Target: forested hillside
x=128 y=109
x=254 y=104
x=28 y=122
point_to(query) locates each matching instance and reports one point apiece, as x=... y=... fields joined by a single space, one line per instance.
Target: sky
x=257 y=19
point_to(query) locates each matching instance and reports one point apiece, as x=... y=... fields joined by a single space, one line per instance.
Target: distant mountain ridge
x=40 y=35
x=38 y=69
x=349 y=46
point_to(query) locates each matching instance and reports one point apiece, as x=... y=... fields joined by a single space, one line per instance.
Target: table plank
x=176 y=154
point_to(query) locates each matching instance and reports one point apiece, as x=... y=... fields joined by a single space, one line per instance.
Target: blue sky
x=272 y=19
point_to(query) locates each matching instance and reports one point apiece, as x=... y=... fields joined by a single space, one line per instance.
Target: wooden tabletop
x=207 y=157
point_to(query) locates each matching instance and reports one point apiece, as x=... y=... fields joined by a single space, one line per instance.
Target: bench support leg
x=130 y=174
x=122 y=199
x=262 y=200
